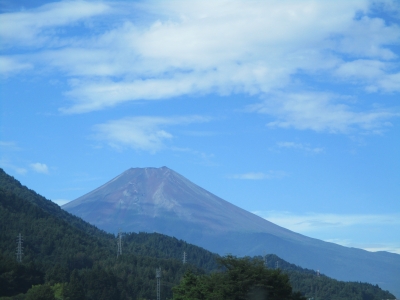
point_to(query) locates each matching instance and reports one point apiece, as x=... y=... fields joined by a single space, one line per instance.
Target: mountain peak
x=148 y=198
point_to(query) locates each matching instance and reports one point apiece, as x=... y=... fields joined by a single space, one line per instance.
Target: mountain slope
x=161 y=200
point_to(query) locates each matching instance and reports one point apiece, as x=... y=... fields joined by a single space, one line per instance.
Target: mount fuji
x=161 y=200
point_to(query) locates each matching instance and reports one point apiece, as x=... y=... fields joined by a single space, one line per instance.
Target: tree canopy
x=239 y=278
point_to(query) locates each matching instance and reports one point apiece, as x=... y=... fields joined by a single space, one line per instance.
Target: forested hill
x=61 y=248
x=63 y=256
x=316 y=285
x=12 y=186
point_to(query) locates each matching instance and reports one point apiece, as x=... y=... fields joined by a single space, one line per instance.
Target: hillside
x=59 y=249
x=67 y=254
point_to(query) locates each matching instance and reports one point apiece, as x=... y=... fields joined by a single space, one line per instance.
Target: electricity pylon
x=19 y=248
x=158 y=276
x=119 y=243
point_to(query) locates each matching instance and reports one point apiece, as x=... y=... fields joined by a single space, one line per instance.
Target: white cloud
x=142 y=133
x=35 y=27
x=314 y=221
x=372 y=232
x=374 y=74
x=259 y=175
x=164 y=49
x=9 y=66
x=40 y=168
x=8 y=145
x=300 y=146
x=319 y=112
x=179 y=48
x=6 y=164
x=61 y=202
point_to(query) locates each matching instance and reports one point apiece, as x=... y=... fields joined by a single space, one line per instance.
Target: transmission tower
x=265 y=261
x=318 y=273
x=19 y=248
x=158 y=276
x=119 y=243
x=277 y=264
x=184 y=257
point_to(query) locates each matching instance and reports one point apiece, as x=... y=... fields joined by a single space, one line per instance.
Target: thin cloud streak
x=312 y=221
x=61 y=202
x=300 y=146
x=9 y=146
x=259 y=175
x=6 y=164
x=320 y=112
x=35 y=27
x=145 y=133
x=371 y=232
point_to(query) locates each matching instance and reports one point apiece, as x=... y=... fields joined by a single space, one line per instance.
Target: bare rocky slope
x=161 y=200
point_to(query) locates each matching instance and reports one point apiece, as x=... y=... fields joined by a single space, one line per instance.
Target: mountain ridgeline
x=161 y=200
x=66 y=258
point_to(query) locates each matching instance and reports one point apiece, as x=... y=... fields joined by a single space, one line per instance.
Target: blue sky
x=288 y=109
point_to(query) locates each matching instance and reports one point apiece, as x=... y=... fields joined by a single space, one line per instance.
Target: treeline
x=67 y=258
x=239 y=278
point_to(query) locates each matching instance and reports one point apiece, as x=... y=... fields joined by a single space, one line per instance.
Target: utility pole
x=158 y=276
x=19 y=248
x=184 y=257
x=119 y=243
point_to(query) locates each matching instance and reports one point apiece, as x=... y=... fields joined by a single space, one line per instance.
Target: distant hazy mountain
x=161 y=200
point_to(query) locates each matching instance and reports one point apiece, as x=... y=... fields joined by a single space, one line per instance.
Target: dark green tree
x=240 y=279
x=74 y=290
x=40 y=292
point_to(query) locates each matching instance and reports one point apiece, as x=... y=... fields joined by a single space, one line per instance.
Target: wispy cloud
x=314 y=221
x=37 y=26
x=375 y=75
x=7 y=164
x=9 y=145
x=300 y=146
x=142 y=133
x=40 y=168
x=320 y=112
x=372 y=232
x=61 y=202
x=164 y=49
x=259 y=175
x=10 y=66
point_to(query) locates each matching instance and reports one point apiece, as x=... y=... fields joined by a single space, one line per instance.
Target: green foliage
x=322 y=287
x=16 y=278
x=309 y=283
x=58 y=290
x=40 y=292
x=241 y=278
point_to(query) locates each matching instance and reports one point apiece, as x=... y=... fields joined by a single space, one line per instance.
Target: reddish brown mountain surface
x=161 y=200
